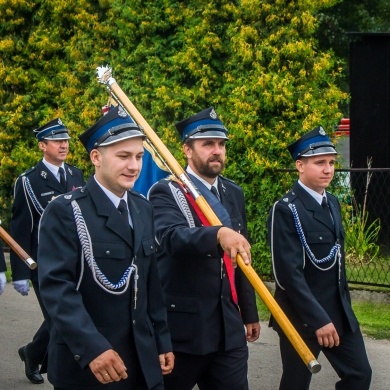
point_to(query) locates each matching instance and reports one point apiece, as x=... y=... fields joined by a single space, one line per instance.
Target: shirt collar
x=53 y=168
x=114 y=198
x=318 y=197
x=207 y=184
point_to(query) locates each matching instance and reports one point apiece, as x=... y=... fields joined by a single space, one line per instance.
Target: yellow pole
x=17 y=249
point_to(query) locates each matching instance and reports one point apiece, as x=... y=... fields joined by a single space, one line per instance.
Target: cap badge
x=322 y=131
x=213 y=114
x=121 y=112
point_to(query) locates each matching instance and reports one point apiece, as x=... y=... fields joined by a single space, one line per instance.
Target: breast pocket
x=109 y=250
x=320 y=237
x=112 y=258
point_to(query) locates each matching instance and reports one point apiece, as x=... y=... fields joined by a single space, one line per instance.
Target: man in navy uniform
x=33 y=191
x=306 y=236
x=208 y=300
x=98 y=275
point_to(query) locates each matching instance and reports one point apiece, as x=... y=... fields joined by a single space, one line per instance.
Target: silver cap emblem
x=213 y=114
x=121 y=112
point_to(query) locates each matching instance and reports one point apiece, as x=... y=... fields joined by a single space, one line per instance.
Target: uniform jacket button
x=77 y=357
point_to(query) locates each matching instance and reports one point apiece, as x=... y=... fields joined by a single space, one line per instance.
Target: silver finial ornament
x=104 y=75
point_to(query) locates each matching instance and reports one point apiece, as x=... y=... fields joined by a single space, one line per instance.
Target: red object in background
x=343 y=127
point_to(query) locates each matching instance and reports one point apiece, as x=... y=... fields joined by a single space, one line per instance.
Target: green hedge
x=257 y=62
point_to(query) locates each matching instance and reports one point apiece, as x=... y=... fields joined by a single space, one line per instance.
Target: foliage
x=347 y=16
x=374 y=318
x=351 y=16
x=257 y=62
x=361 y=235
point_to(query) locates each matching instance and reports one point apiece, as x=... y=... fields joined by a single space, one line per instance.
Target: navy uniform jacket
x=26 y=215
x=201 y=314
x=88 y=321
x=3 y=266
x=310 y=295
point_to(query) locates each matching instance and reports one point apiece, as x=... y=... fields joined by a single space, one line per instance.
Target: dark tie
x=325 y=206
x=214 y=191
x=122 y=208
x=62 y=177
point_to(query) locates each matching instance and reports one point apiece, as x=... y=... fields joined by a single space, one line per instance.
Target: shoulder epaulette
x=72 y=166
x=229 y=180
x=27 y=172
x=135 y=193
x=288 y=198
x=78 y=193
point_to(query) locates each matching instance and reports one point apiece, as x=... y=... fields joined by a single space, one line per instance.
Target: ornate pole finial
x=104 y=75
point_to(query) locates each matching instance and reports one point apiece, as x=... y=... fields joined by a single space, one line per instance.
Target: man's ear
x=299 y=165
x=41 y=146
x=96 y=157
x=187 y=150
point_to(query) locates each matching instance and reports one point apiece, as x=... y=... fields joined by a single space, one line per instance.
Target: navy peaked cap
x=314 y=143
x=204 y=124
x=115 y=126
x=54 y=130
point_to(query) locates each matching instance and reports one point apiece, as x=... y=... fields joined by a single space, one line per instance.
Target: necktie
x=325 y=206
x=214 y=191
x=62 y=177
x=122 y=208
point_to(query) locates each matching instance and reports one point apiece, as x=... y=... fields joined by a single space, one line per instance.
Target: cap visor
x=209 y=134
x=122 y=136
x=319 y=151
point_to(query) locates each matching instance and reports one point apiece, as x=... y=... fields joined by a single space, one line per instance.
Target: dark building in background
x=369 y=66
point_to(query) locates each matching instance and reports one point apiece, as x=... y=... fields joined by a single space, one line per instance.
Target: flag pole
x=105 y=77
x=17 y=249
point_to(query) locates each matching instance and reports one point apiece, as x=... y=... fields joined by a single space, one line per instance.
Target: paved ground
x=20 y=317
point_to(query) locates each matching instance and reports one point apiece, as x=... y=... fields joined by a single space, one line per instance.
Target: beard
x=205 y=169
